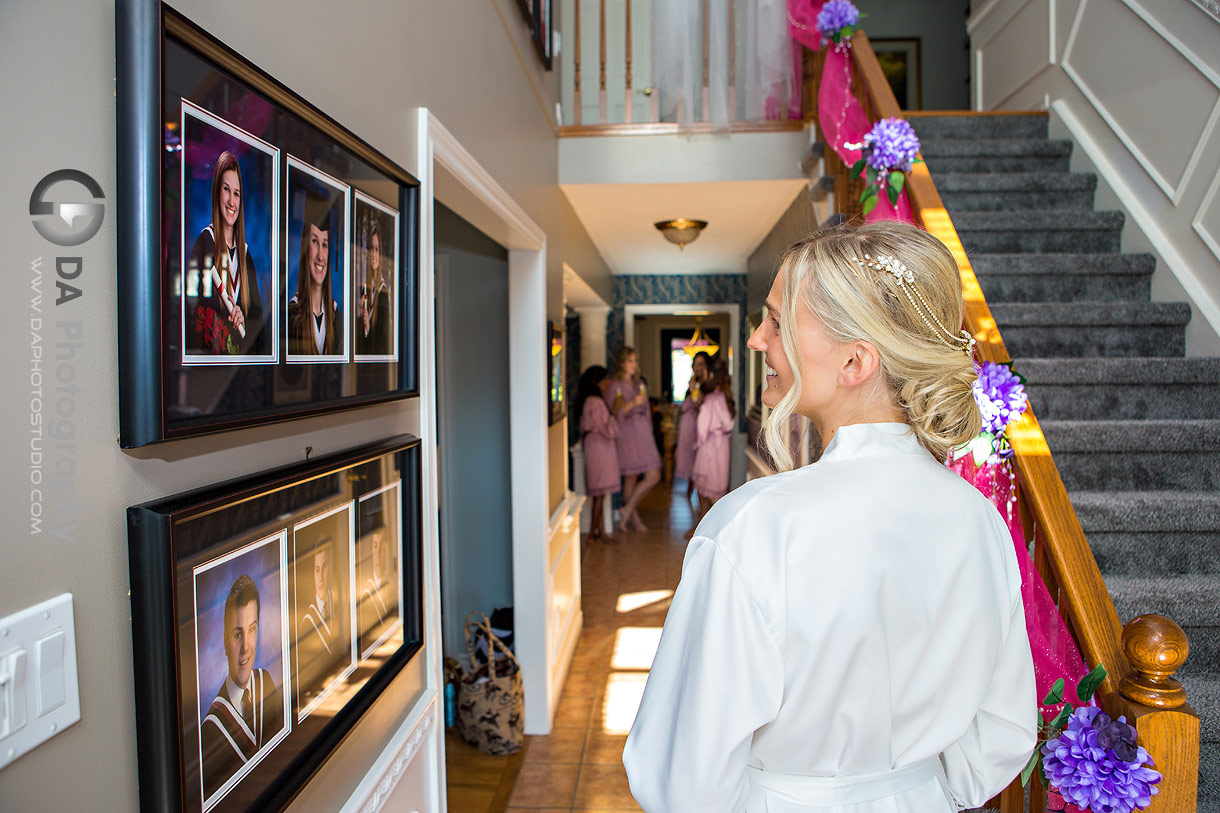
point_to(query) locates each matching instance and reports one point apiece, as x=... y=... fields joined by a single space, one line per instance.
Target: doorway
x=473 y=429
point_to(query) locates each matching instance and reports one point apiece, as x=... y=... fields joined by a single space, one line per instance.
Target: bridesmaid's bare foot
x=637 y=523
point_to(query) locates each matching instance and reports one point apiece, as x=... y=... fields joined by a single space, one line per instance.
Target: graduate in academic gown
x=248 y=710
x=315 y=321
x=225 y=314
x=848 y=636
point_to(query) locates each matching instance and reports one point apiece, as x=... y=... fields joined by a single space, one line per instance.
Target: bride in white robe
x=849 y=636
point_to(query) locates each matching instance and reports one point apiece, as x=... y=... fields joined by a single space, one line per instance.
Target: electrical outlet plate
x=39 y=692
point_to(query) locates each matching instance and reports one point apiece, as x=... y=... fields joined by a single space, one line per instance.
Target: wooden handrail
x=1140 y=659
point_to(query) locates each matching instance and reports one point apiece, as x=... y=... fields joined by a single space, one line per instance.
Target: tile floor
x=627 y=584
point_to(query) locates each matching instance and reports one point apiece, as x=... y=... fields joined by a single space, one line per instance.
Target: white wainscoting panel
x=1160 y=82
x=1003 y=64
x=404 y=778
x=1207 y=221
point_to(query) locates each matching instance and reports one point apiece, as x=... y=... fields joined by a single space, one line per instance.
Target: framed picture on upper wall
x=267 y=616
x=268 y=257
x=899 y=60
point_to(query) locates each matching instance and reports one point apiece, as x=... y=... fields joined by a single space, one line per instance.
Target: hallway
x=627 y=585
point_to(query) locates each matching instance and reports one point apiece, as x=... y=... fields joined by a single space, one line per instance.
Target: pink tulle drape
x=803 y=22
x=884 y=210
x=843 y=121
x=1055 y=653
x=840 y=115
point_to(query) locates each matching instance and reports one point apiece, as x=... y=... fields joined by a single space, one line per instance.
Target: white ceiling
x=619 y=218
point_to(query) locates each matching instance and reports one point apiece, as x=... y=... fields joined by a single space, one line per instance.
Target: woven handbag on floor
x=491 y=702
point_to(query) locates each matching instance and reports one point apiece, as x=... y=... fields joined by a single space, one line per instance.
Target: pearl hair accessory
x=961 y=341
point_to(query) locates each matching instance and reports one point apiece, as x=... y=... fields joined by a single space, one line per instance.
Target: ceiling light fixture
x=681 y=230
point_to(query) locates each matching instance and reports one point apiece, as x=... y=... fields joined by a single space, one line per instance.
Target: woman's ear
x=862 y=363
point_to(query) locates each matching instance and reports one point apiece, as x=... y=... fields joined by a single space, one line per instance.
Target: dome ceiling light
x=681 y=230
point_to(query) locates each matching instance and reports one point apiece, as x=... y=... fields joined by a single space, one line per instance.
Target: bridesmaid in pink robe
x=638 y=459
x=684 y=453
x=598 y=431
x=715 y=428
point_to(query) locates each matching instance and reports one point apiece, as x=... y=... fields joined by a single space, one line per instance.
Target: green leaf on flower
x=858 y=168
x=892 y=194
x=1062 y=717
x=869 y=192
x=870 y=204
x=897 y=179
x=1029 y=768
x=871 y=175
x=917 y=160
x=1055 y=695
x=1042 y=774
x=1089 y=683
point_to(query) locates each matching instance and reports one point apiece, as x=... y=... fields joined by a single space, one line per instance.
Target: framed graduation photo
x=268 y=613
x=256 y=234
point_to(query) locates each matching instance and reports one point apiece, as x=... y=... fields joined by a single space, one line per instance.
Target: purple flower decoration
x=835 y=16
x=891 y=145
x=1089 y=774
x=1000 y=395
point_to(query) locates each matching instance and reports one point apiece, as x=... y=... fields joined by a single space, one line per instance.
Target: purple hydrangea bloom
x=1089 y=775
x=892 y=144
x=835 y=15
x=1000 y=395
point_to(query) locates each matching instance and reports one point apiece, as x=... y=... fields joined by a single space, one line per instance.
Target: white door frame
x=458 y=179
x=734 y=312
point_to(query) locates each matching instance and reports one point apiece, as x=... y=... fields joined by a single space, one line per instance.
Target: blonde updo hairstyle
x=927 y=380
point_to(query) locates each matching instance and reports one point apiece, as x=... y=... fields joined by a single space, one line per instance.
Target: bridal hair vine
x=961 y=341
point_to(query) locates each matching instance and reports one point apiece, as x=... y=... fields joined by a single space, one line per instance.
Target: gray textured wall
x=472 y=413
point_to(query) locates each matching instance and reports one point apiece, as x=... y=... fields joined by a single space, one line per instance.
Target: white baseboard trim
x=375 y=789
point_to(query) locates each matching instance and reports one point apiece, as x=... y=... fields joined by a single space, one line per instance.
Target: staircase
x=1134 y=425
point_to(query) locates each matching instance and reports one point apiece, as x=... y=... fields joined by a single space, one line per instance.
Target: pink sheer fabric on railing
x=1055 y=653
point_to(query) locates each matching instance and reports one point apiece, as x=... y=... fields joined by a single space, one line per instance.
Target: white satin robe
x=861 y=614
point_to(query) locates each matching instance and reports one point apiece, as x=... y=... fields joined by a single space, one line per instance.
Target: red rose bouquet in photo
x=217 y=336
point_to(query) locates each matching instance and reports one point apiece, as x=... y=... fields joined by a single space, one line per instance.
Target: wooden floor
x=627 y=585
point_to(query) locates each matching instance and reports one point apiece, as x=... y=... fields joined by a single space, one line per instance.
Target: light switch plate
x=30 y=631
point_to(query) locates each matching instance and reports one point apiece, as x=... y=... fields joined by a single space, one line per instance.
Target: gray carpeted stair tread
x=1093 y=329
x=1005 y=182
x=975 y=155
x=1039 y=231
x=1160 y=552
x=1189 y=511
x=1203 y=693
x=1038 y=221
x=994 y=147
x=930 y=127
x=1064 y=277
x=1132 y=436
x=1189 y=599
x=1056 y=265
x=1106 y=371
x=1209 y=777
x=1130 y=314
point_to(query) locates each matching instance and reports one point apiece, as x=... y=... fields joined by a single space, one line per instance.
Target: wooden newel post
x=1156 y=648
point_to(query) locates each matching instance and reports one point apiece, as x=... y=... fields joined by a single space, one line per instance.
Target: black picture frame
x=194 y=118
x=194 y=557
x=538 y=17
x=556 y=353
